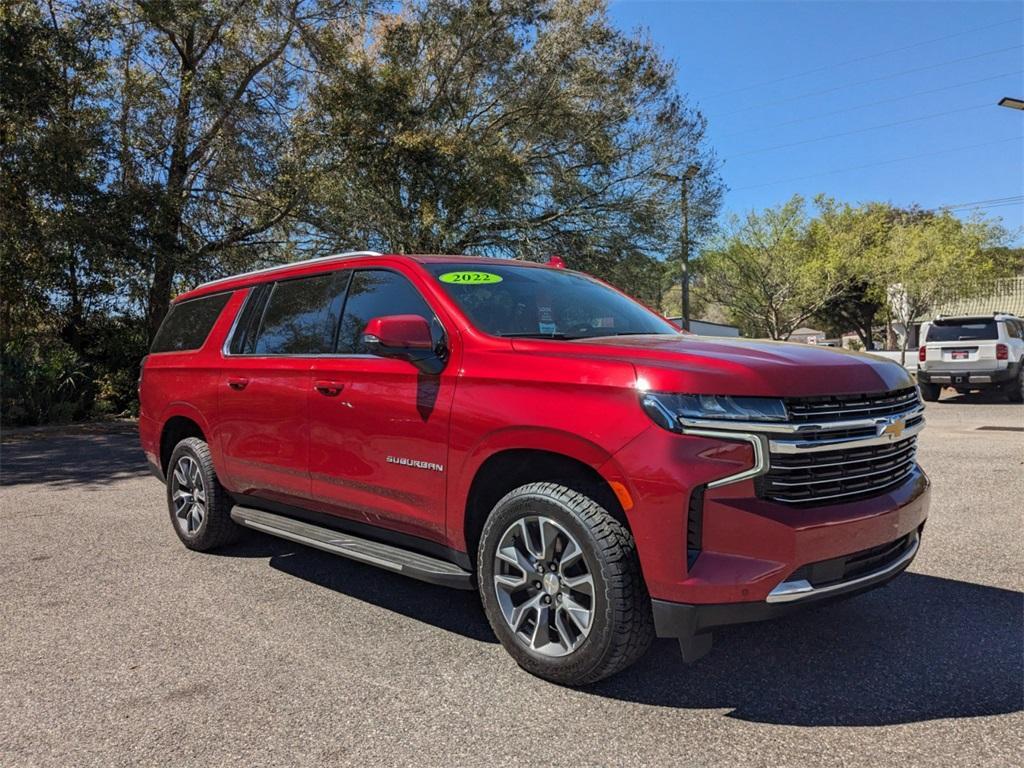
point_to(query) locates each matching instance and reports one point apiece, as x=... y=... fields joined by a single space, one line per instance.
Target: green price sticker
x=470 y=278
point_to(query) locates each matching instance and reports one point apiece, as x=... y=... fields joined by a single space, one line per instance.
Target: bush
x=44 y=381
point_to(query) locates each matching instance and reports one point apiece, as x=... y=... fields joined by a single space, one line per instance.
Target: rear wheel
x=199 y=506
x=930 y=392
x=1016 y=390
x=561 y=585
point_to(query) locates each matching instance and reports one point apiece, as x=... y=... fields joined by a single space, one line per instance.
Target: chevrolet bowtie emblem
x=892 y=427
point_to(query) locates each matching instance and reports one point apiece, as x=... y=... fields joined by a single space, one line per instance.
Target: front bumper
x=748 y=545
x=810 y=586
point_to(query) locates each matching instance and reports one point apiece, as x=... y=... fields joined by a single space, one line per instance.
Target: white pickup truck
x=972 y=352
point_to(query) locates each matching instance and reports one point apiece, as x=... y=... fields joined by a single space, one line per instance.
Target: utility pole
x=684 y=237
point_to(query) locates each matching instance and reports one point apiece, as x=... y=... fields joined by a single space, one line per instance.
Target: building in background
x=1005 y=295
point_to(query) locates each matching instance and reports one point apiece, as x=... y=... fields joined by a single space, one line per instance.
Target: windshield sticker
x=470 y=278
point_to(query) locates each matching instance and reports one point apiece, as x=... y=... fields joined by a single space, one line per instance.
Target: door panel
x=262 y=427
x=266 y=385
x=379 y=447
x=379 y=426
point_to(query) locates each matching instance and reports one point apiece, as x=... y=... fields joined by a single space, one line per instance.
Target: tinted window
x=1013 y=329
x=188 y=324
x=300 y=317
x=506 y=300
x=973 y=330
x=244 y=339
x=374 y=293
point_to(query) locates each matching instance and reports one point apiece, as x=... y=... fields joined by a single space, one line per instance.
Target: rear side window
x=376 y=292
x=973 y=330
x=1013 y=330
x=189 y=323
x=300 y=317
x=244 y=338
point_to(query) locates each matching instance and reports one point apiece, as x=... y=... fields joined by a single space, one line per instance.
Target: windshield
x=971 y=330
x=507 y=300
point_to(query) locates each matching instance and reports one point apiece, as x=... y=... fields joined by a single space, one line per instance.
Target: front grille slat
x=838 y=478
x=835 y=476
x=822 y=464
x=839 y=407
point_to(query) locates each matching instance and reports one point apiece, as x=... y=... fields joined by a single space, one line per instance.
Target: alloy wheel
x=544 y=586
x=188 y=493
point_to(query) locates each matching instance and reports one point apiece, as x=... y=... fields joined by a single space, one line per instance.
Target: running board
x=386 y=556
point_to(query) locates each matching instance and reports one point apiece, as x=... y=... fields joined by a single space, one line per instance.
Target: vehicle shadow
x=452 y=610
x=983 y=397
x=921 y=648
x=72 y=459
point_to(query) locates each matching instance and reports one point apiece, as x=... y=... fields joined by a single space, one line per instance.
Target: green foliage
x=846 y=266
x=42 y=383
x=515 y=128
x=765 y=270
x=934 y=258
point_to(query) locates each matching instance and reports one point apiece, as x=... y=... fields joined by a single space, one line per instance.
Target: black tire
x=621 y=627
x=1016 y=391
x=930 y=392
x=216 y=528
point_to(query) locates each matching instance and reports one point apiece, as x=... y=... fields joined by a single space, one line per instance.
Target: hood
x=733 y=366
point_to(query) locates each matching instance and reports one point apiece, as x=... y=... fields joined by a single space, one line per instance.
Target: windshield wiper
x=529 y=335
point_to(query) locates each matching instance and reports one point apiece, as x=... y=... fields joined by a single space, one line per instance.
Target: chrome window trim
x=801 y=589
x=225 y=348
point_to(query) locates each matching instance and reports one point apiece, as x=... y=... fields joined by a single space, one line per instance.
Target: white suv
x=972 y=352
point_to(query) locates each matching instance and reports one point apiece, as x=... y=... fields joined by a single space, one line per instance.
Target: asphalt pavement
x=120 y=647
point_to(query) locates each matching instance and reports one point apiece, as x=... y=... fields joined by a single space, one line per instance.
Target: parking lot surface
x=118 y=646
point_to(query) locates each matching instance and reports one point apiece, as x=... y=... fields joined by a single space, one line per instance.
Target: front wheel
x=561 y=585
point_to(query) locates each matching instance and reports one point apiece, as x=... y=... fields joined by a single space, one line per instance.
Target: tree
x=934 y=258
x=766 y=271
x=57 y=248
x=852 y=240
x=202 y=100
x=505 y=128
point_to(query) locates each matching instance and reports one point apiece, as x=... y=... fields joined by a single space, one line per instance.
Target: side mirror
x=404 y=337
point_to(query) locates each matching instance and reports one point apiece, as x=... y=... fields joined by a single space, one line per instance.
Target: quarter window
x=373 y=293
x=189 y=323
x=300 y=317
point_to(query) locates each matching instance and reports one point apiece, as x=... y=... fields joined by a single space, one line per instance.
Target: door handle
x=238 y=382
x=328 y=388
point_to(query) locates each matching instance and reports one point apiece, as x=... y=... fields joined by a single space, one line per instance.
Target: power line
x=1010 y=198
x=890 y=161
x=873 y=80
x=983 y=204
x=859 y=59
x=902 y=97
x=856 y=131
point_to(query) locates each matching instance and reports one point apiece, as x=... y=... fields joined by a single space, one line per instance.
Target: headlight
x=666 y=409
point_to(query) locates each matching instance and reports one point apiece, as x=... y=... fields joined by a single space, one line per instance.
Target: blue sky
x=959 y=146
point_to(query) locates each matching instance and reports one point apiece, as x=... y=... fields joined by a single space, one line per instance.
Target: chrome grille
x=842 y=407
x=840 y=475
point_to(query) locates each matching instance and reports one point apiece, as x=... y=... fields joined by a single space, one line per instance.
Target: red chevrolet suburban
x=530 y=432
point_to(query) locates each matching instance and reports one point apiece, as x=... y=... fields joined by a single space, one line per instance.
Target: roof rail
x=266 y=270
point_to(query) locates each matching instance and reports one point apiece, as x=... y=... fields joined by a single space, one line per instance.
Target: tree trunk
x=168 y=251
